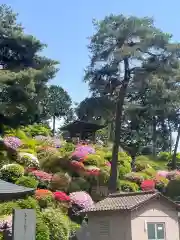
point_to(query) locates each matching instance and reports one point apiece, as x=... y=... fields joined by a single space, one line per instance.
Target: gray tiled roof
x=10 y=188
x=123 y=201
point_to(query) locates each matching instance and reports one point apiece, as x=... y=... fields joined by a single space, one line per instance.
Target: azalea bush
x=44 y=197
x=61 y=196
x=41 y=176
x=12 y=142
x=148 y=185
x=27 y=160
x=82 y=199
x=6 y=226
x=11 y=172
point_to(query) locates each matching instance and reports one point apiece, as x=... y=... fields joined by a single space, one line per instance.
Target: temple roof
x=79 y=126
x=10 y=190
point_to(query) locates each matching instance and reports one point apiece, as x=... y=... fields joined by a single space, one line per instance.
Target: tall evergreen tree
x=24 y=73
x=122 y=49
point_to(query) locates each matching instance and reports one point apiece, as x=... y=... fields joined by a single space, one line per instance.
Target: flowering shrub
x=43 y=176
x=85 y=148
x=163 y=173
x=11 y=172
x=6 y=225
x=61 y=196
x=148 y=185
x=12 y=142
x=28 y=160
x=82 y=199
x=44 y=197
x=79 y=155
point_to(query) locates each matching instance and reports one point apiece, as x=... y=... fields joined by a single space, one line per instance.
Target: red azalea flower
x=61 y=196
x=44 y=176
x=148 y=185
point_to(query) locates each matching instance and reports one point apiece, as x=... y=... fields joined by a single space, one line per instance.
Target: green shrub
x=103 y=177
x=94 y=160
x=83 y=184
x=54 y=162
x=58 y=224
x=67 y=147
x=24 y=150
x=11 y=172
x=21 y=134
x=6 y=208
x=60 y=181
x=37 y=129
x=42 y=230
x=73 y=187
x=27 y=181
x=164 y=156
x=28 y=203
x=108 y=156
x=4 y=159
x=127 y=186
x=123 y=156
x=136 y=177
x=124 y=168
x=151 y=172
x=142 y=162
x=29 y=144
x=173 y=189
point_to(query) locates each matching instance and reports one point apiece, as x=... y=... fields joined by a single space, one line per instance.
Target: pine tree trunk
x=170 y=137
x=54 y=125
x=174 y=164
x=117 y=132
x=154 y=136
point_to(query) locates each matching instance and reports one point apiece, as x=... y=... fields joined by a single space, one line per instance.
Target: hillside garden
x=64 y=176
x=133 y=77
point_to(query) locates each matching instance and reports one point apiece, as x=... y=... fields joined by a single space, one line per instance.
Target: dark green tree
x=57 y=104
x=125 y=50
x=24 y=73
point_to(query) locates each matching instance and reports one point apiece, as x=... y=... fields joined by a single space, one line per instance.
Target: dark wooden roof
x=79 y=126
x=11 y=191
x=126 y=201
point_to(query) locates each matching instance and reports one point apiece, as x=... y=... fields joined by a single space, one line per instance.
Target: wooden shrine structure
x=82 y=130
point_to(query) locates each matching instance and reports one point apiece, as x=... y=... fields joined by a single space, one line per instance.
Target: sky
x=65 y=25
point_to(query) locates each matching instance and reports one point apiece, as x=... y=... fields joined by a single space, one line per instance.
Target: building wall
x=155 y=211
x=109 y=226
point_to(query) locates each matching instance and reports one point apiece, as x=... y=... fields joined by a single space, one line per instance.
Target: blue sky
x=64 y=26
